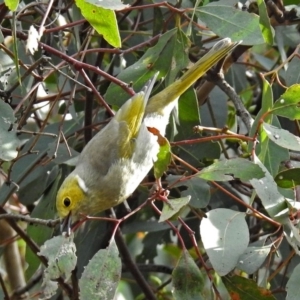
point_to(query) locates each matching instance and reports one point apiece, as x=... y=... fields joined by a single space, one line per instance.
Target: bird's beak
x=66 y=224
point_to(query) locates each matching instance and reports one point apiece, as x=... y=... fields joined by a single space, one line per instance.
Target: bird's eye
x=67 y=202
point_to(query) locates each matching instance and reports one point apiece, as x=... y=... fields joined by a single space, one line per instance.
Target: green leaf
x=12 y=4
x=8 y=138
x=163 y=157
x=267 y=103
x=38 y=233
x=290 y=2
x=282 y=137
x=292 y=286
x=225 y=170
x=7 y=117
x=225 y=236
x=269 y=150
x=292 y=76
x=187 y=279
x=88 y=241
x=102 y=275
x=288 y=179
x=62 y=155
x=60 y=253
x=15 y=46
x=103 y=21
x=8 y=145
x=198 y=189
x=291 y=232
x=227 y=21
x=28 y=163
x=173 y=207
x=108 y=4
x=194 y=153
x=246 y=289
x=36 y=183
x=167 y=56
x=288 y=105
x=267 y=191
x=188 y=115
x=264 y=23
x=179 y=55
x=254 y=256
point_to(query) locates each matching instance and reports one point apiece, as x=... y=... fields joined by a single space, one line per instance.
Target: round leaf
x=225 y=236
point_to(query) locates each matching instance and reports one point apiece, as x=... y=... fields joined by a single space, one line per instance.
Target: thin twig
x=237 y=102
x=17 y=218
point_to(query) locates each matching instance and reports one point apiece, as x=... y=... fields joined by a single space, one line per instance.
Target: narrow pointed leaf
x=292 y=286
x=267 y=191
x=225 y=20
x=187 y=279
x=282 y=137
x=246 y=289
x=225 y=170
x=264 y=23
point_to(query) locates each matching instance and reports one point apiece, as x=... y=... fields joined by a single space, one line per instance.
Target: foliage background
x=57 y=91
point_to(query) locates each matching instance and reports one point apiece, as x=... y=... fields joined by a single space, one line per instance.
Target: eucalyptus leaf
x=101 y=276
x=267 y=191
x=282 y=137
x=292 y=286
x=187 y=279
x=264 y=22
x=288 y=104
x=39 y=233
x=228 y=21
x=267 y=149
x=196 y=188
x=8 y=138
x=292 y=76
x=163 y=57
x=291 y=233
x=249 y=291
x=254 y=256
x=288 y=178
x=173 y=207
x=225 y=237
x=109 y=4
x=60 y=253
x=12 y=4
x=270 y=149
x=103 y=21
x=228 y=169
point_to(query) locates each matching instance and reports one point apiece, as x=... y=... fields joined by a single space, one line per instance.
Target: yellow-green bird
x=117 y=159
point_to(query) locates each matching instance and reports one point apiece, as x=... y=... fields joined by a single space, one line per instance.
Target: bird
x=116 y=159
